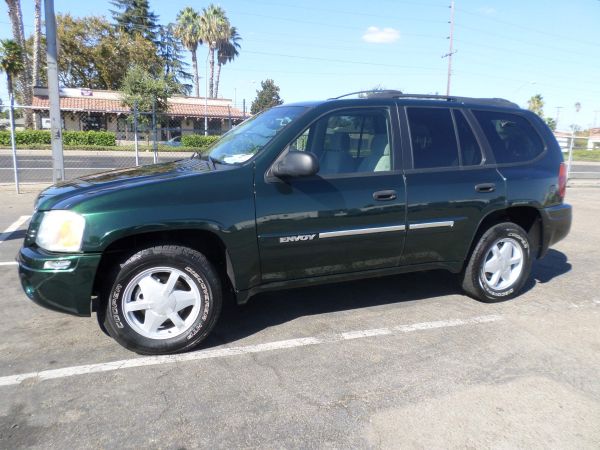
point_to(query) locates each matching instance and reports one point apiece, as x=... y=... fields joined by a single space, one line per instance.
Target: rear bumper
x=67 y=290
x=556 y=222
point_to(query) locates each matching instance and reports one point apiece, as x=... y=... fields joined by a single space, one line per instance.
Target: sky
x=316 y=49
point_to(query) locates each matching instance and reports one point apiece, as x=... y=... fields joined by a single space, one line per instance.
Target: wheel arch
x=527 y=217
x=206 y=242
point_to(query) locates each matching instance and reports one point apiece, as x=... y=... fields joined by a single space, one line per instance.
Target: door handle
x=384 y=195
x=485 y=187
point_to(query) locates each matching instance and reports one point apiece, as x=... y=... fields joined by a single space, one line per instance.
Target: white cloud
x=376 y=35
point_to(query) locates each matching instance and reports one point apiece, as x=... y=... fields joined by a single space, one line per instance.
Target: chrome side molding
x=357 y=231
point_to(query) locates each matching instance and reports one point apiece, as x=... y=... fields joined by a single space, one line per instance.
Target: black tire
x=474 y=278
x=195 y=270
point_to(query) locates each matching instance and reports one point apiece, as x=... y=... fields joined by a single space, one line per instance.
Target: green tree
x=169 y=50
x=135 y=17
x=227 y=50
x=266 y=97
x=551 y=123
x=214 y=28
x=141 y=87
x=96 y=55
x=187 y=29
x=11 y=62
x=536 y=104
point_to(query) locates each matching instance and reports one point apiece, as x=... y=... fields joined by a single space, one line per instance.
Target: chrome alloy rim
x=161 y=303
x=503 y=264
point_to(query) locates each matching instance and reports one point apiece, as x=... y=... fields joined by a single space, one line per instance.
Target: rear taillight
x=562 y=180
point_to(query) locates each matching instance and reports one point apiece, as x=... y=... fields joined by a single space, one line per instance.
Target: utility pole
x=58 y=167
x=596 y=117
x=451 y=51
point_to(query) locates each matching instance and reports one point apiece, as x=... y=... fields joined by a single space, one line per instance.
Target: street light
x=523 y=85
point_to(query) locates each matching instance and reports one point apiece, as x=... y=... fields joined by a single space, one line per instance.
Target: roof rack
x=371 y=93
x=399 y=94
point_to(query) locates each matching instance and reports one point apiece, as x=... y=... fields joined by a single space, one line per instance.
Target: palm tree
x=11 y=62
x=227 y=50
x=37 y=41
x=188 y=30
x=536 y=104
x=215 y=28
x=24 y=75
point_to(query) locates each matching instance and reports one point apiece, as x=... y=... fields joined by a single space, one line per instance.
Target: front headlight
x=61 y=231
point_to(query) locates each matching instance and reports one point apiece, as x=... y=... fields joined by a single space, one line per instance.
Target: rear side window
x=512 y=137
x=470 y=151
x=433 y=138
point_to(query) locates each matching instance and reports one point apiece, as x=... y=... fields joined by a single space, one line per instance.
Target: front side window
x=432 y=137
x=349 y=142
x=512 y=137
x=247 y=139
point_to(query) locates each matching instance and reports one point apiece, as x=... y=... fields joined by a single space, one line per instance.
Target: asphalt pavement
x=397 y=362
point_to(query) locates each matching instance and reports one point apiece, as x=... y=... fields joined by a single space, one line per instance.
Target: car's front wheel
x=500 y=263
x=164 y=299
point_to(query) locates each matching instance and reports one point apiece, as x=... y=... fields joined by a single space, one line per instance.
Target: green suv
x=302 y=194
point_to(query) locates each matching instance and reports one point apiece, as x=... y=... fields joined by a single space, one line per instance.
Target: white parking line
x=233 y=351
x=13 y=227
x=8 y=263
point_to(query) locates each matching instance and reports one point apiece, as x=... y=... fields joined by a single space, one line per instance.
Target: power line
x=527 y=28
x=520 y=41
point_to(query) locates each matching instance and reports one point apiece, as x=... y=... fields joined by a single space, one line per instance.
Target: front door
x=351 y=215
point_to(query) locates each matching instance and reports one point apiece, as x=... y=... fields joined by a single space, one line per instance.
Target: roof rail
x=399 y=94
x=371 y=93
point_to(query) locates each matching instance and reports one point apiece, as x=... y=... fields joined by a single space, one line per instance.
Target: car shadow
x=19 y=234
x=553 y=265
x=274 y=308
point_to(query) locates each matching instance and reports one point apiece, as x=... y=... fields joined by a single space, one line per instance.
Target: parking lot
x=404 y=361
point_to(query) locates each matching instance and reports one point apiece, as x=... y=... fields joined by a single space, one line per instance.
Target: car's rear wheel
x=164 y=299
x=499 y=265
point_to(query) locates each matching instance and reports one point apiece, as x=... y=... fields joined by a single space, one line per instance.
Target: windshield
x=247 y=139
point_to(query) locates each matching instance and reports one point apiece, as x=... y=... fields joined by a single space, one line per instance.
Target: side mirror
x=296 y=164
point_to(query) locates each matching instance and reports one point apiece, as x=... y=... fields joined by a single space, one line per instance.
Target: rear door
x=450 y=188
x=350 y=216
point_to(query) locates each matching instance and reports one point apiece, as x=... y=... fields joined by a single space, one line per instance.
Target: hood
x=91 y=185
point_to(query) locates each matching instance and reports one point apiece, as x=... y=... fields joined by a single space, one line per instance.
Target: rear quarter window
x=512 y=137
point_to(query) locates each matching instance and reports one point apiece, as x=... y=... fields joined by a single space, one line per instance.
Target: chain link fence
x=96 y=141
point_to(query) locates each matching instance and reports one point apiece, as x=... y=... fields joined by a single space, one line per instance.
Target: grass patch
x=585 y=155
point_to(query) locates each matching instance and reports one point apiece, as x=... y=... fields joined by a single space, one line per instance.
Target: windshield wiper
x=215 y=161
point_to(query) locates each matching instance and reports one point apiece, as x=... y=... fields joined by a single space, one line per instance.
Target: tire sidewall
x=502 y=231
x=117 y=324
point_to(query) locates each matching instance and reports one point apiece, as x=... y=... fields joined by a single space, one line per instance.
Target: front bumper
x=556 y=222
x=67 y=290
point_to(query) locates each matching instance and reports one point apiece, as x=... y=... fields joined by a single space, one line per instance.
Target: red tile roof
x=115 y=106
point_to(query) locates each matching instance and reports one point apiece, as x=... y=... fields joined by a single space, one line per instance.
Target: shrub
x=26 y=137
x=103 y=138
x=198 y=141
x=37 y=137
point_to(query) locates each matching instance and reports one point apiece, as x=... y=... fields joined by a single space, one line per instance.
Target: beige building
x=90 y=109
x=594 y=140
